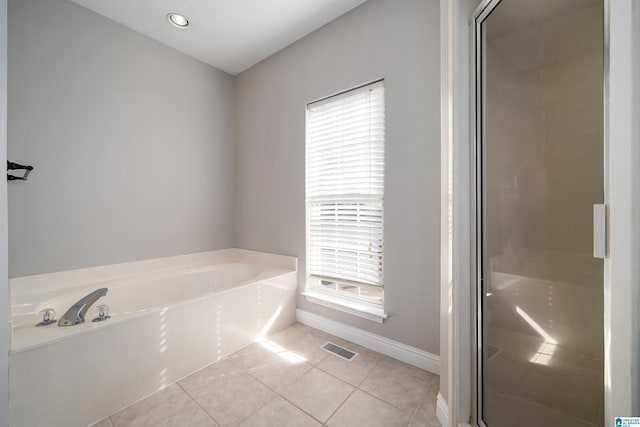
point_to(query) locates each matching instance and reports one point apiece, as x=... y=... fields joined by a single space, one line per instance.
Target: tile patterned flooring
x=287 y=380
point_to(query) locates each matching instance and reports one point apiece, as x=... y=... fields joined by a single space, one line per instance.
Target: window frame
x=369 y=308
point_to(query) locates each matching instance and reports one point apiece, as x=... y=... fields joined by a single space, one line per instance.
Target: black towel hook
x=13 y=166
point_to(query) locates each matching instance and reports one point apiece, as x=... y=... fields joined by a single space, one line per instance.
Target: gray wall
x=132 y=143
x=382 y=38
x=4 y=288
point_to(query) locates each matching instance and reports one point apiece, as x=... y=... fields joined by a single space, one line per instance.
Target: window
x=345 y=194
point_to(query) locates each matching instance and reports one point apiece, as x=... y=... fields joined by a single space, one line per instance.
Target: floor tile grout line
x=283 y=397
x=373 y=369
x=413 y=417
x=275 y=392
x=341 y=405
x=370 y=394
x=425 y=394
x=198 y=404
x=287 y=400
x=408 y=372
x=415 y=412
x=389 y=403
x=338 y=378
x=365 y=377
x=341 y=379
x=171 y=413
x=298 y=379
x=271 y=388
x=305 y=412
x=256 y=411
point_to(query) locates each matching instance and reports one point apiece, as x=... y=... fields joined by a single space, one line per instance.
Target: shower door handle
x=600 y=231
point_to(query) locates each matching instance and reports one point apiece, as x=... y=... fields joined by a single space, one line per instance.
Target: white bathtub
x=169 y=318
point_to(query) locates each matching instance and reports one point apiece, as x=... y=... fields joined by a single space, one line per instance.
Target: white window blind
x=345 y=189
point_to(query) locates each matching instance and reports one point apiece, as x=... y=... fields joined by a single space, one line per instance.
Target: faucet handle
x=101 y=313
x=46 y=317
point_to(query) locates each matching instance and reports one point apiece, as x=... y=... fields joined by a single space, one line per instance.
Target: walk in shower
x=540 y=157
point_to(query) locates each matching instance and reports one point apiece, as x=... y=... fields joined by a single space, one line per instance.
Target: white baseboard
x=442 y=410
x=397 y=350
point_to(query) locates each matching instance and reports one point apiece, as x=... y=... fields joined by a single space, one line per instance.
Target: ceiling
x=231 y=35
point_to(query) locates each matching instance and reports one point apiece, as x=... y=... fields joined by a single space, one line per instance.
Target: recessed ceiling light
x=178 y=21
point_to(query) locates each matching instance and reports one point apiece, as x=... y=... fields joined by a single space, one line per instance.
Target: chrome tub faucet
x=75 y=315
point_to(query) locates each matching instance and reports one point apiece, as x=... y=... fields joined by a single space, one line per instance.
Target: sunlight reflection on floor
x=282 y=352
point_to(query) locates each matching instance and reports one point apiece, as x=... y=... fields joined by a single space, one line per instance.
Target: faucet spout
x=75 y=315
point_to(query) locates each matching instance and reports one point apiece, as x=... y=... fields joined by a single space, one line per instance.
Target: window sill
x=355 y=308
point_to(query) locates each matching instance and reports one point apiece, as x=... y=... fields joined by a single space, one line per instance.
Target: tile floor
x=287 y=380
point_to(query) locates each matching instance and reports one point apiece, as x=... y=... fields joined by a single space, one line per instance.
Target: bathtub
x=169 y=318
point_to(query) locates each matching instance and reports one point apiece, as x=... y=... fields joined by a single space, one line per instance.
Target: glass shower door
x=540 y=163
